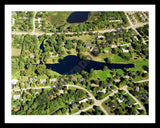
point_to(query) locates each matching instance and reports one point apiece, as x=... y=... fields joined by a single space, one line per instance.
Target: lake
x=72 y=64
x=78 y=17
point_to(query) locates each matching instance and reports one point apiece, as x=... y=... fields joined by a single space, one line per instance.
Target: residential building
x=111 y=105
x=16 y=97
x=82 y=79
x=125 y=50
x=109 y=85
x=14 y=82
x=84 y=100
x=52 y=80
x=129 y=104
x=114 y=20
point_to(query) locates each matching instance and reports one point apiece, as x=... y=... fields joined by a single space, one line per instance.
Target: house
x=107 y=51
x=133 y=19
x=103 y=90
x=14 y=81
x=82 y=79
x=84 y=100
x=74 y=79
x=16 y=97
x=32 y=55
x=114 y=20
x=137 y=88
x=107 y=43
x=129 y=104
x=126 y=77
x=117 y=80
x=43 y=81
x=116 y=112
x=52 y=80
x=145 y=71
x=39 y=19
x=75 y=104
x=145 y=96
x=39 y=25
x=120 y=41
x=141 y=17
x=111 y=104
x=109 y=85
x=113 y=46
x=135 y=37
x=94 y=85
x=61 y=91
x=90 y=47
x=13 y=20
x=101 y=37
x=51 y=55
x=14 y=13
x=125 y=50
x=121 y=99
x=31 y=80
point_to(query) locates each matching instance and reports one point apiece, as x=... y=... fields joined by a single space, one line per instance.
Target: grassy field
x=84 y=38
x=58 y=18
x=16 y=51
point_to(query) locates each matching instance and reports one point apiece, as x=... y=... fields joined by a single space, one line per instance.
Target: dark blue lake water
x=78 y=17
x=72 y=64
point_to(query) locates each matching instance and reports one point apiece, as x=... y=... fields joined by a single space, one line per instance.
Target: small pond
x=78 y=17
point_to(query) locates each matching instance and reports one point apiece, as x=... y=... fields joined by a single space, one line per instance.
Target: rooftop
x=14 y=81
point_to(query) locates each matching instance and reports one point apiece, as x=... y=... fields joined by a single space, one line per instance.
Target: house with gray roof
x=111 y=105
x=109 y=85
x=82 y=79
x=129 y=104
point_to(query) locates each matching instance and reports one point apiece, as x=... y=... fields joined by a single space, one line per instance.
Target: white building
x=125 y=50
x=39 y=19
x=14 y=81
x=101 y=36
x=61 y=91
x=84 y=100
x=114 y=20
x=16 y=97
x=13 y=21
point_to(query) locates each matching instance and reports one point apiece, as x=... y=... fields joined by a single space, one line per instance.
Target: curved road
x=96 y=102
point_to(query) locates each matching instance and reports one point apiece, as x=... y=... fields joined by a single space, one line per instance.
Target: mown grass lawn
x=102 y=75
x=58 y=18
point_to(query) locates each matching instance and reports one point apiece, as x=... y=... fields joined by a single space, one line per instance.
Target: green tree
x=41 y=69
x=105 y=68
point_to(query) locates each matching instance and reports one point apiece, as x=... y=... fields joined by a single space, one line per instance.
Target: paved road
x=141 y=81
x=128 y=19
x=100 y=31
x=141 y=106
x=34 y=22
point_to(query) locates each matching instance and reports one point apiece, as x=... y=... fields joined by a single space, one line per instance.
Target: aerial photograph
x=80 y=63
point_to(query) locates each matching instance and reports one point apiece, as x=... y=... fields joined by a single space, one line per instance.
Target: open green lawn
x=102 y=75
x=16 y=51
x=58 y=18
